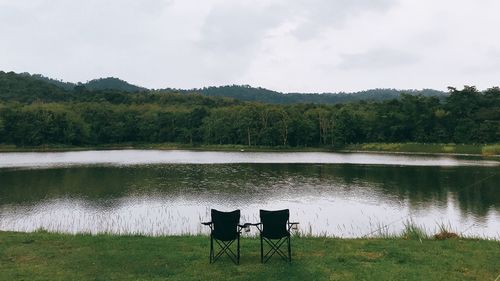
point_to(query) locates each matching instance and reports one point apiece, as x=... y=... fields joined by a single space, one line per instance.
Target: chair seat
x=275 y=234
x=225 y=236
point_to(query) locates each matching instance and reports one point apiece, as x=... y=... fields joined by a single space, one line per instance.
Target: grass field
x=46 y=256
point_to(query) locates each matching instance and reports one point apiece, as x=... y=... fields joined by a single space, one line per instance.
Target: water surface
x=171 y=192
x=141 y=157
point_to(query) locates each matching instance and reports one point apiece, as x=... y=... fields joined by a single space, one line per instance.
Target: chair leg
x=238 y=250
x=211 y=248
x=289 y=250
x=261 y=250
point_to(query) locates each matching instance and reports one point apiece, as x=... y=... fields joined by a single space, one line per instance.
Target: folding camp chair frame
x=224 y=246
x=275 y=244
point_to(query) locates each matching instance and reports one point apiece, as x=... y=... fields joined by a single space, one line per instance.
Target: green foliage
x=58 y=83
x=44 y=123
x=247 y=93
x=36 y=112
x=112 y=83
x=240 y=92
x=16 y=87
x=2 y=126
x=109 y=83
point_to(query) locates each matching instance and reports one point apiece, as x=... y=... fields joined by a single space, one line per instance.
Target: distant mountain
x=59 y=83
x=248 y=93
x=111 y=83
x=31 y=87
x=26 y=88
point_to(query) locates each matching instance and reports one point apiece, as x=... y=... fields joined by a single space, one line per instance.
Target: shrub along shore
x=410 y=148
x=48 y=256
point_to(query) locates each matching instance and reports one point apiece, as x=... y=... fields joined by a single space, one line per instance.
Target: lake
x=155 y=192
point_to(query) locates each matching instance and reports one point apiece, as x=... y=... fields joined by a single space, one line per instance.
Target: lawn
x=46 y=256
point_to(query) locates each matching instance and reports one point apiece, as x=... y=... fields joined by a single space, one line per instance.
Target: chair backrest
x=274 y=223
x=225 y=224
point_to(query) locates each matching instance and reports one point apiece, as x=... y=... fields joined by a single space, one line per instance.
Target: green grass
x=46 y=256
x=472 y=149
x=433 y=148
x=493 y=149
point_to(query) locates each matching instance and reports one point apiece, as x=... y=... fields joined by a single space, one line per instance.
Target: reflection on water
x=347 y=200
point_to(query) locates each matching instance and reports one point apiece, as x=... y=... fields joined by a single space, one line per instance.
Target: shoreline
x=421 y=153
x=488 y=151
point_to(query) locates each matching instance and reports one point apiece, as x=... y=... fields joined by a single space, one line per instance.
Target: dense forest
x=241 y=92
x=109 y=83
x=248 y=93
x=35 y=112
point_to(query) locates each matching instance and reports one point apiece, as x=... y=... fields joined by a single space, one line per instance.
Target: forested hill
x=112 y=83
x=109 y=83
x=248 y=93
x=25 y=87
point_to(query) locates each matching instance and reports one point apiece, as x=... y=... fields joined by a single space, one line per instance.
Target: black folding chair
x=274 y=229
x=224 y=230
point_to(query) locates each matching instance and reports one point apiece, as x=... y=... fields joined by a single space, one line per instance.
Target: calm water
x=171 y=192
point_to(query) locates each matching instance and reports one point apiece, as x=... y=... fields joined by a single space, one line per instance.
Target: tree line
x=21 y=86
x=109 y=117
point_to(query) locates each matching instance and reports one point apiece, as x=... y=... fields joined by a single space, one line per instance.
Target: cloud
x=489 y=66
x=287 y=45
x=236 y=26
x=317 y=15
x=376 y=59
x=232 y=33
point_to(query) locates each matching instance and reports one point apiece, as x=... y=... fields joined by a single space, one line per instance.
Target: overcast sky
x=285 y=45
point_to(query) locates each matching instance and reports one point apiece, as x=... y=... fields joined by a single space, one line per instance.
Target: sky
x=284 y=45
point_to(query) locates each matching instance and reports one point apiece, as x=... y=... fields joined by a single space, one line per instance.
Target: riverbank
x=161 y=146
x=428 y=148
x=411 y=148
x=46 y=256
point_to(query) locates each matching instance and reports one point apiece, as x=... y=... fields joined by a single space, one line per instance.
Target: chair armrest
x=207 y=223
x=257 y=225
x=292 y=226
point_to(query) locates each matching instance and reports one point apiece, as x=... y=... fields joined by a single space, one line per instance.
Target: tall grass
x=445 y=232
x=412 y=231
